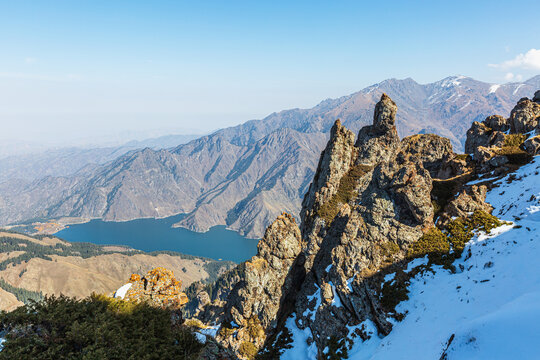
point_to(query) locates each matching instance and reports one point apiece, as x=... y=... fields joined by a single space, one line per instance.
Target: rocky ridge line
x=373 y=205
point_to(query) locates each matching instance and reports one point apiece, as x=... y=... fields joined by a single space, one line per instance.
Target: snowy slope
x=489 y=309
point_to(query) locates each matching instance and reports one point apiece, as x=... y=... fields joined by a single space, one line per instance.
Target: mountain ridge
x=385 y=224
x=214 y=178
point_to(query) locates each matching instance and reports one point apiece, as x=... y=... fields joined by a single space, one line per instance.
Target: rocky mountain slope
x=244 y=176
x=386 y=224
x=30 y=266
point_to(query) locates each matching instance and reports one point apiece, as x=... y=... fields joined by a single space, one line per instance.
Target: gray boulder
x=525 y=116
x=532 y=145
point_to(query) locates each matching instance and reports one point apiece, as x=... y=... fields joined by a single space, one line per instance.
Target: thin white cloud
x=510 y=76
x=28 y=76
x=30 y=60
x=528 y=61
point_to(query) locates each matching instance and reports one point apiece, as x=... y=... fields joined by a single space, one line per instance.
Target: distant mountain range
x=244 y=176
x=66 y=161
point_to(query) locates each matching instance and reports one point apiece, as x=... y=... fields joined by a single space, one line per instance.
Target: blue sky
x=99 y=69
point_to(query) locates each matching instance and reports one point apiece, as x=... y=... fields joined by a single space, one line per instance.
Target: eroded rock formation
x=371 y=200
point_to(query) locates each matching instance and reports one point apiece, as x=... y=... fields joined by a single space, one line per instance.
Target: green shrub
x=461 y=230
x=389 y=248
x=248 y=350
x=97 y=327
x=514 y=140
x=394 y=292
x=462 y=156
x=432 y=242
x=226 y=330
x=484 y=221
x=254 y=327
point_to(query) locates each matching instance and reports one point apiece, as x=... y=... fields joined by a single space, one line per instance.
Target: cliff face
x=383 y=205
x=374 y=205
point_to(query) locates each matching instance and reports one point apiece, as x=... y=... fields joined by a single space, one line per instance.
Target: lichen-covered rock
x=336 y=161
x=468 y=201
x=481 y=134
x=430 y=149
x=377 y=142
x=483 y=154
x=455 y=165
x=497 y=123
x=525 y=116
x=384 y=118
x=158 y=287
x=254 y=303
x=477 y=135
x=532 y=145
x=391 y=207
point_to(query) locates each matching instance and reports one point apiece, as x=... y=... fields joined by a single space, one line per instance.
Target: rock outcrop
x=158 y=287
x=525 y=116
x=370 y=203
x=379 y=141
x=536 y=97
x=480 y=134
x=532 y=145
x=468 y=201
x=389 y=208
x=249 y=311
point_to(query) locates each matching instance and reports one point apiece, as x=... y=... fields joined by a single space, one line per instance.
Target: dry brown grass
x=78 y=277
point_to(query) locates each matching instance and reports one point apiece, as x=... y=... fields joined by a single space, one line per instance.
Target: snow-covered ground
x=121 y=292
x=489 y=309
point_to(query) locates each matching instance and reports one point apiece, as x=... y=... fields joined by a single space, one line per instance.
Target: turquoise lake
x=158 y=234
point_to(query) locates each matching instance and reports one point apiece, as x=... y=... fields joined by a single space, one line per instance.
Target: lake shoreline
x=150 y=234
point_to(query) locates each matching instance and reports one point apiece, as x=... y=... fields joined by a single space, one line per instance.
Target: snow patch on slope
x=488 y=309
x=121 y=292
x=493 y=88
x=300 y=350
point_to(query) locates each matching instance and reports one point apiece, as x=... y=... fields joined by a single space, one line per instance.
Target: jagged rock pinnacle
x=385 y=113
x=379 y=141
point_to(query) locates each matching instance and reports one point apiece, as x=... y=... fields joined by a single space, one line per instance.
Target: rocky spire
x=377 y=142
x=336 y=160
x=385 y=114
